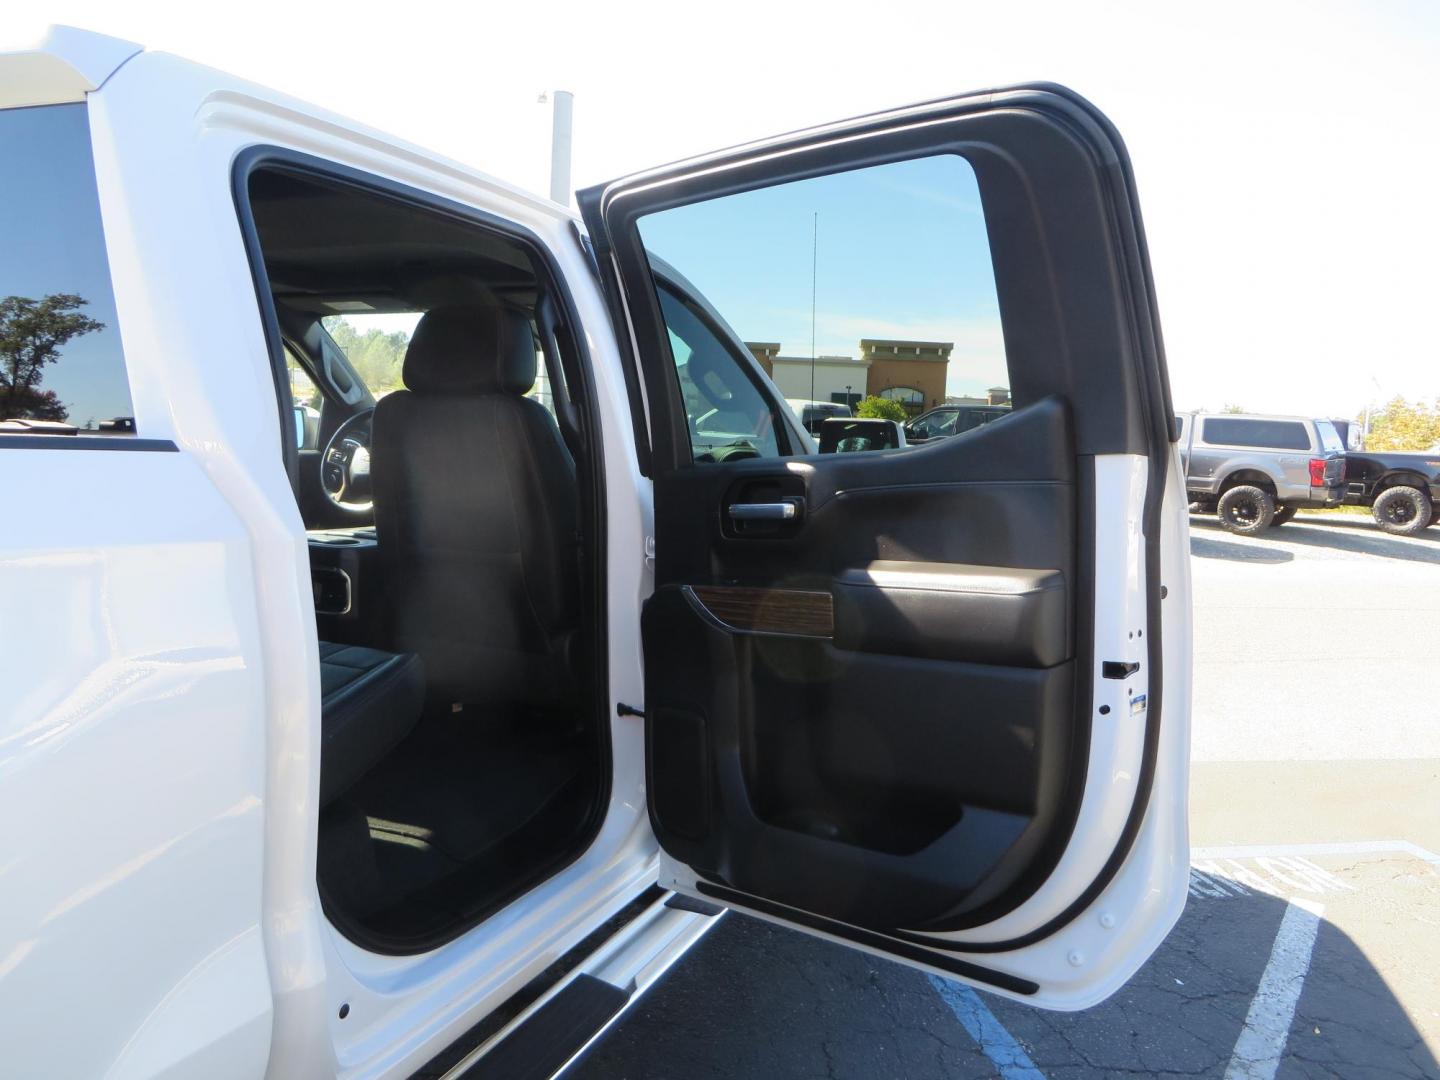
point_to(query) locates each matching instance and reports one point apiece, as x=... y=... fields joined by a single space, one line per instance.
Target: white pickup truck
x=395 y=683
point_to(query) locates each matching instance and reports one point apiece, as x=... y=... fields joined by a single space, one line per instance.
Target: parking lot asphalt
x=1315 y=883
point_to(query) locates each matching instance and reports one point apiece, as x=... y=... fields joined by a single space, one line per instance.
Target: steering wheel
x=345 y=464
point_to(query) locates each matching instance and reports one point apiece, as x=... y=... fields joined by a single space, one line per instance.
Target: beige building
x=910 y=372
x=996 y=395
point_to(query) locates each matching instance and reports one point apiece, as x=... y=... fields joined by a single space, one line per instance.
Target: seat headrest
x=480 y=348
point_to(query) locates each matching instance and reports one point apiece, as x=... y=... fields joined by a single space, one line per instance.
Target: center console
x=345 y=581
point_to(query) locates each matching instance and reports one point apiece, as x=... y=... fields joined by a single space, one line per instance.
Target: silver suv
x=1257 y=471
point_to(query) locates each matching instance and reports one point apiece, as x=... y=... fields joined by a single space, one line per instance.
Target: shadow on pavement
x=754 y=1000
x=1184 y=1012
x=1205 y=547
x=1360 y=537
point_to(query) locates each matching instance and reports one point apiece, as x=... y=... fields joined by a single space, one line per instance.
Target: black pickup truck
x=1402 y=490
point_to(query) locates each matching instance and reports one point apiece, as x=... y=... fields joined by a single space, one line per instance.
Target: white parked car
x=426 y=733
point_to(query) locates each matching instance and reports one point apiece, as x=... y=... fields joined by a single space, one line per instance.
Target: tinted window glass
x=870 y=283
x=375 y=345
x=1265 y=434
x=60 y=354
x=856 y=436
x=970 y=419
x=303 y=391
x=937 y=423
x=1329 y=437
x=727 y=416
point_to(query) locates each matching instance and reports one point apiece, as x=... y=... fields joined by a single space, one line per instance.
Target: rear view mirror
x=299 y=427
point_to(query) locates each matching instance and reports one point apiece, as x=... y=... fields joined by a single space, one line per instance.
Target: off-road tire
x=1284 y=514
x=1246 y=510
x=1404 y=511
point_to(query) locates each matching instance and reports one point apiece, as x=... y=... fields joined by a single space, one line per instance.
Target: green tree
x=1233 y=409
x=1404 y=425
x=32 y=333
x=880 y=408
x=376 y=356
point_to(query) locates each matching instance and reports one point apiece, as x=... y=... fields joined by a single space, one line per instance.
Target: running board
x=549 y=1038
x=599 y=979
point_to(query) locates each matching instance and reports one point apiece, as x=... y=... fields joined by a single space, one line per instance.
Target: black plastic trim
x=87 y=442
x=245 y=164
x=620 y=333
x=869 y=938
x=591 y=471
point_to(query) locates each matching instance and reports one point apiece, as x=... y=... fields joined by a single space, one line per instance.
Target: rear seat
x=369 y=701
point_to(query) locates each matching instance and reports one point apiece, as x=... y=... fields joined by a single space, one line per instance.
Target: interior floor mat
x=451 y=820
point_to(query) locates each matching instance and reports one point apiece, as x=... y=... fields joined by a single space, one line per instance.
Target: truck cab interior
x=451 y=508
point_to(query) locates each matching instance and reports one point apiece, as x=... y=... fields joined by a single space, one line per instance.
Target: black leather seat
x=476 y=514
x=369 y=701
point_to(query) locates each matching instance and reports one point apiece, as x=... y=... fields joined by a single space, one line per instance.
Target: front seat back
x=476 y=514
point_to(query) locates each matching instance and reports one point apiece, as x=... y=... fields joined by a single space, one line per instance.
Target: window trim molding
x=87 y=442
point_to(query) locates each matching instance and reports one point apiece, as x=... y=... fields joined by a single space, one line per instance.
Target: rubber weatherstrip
x=882 y=942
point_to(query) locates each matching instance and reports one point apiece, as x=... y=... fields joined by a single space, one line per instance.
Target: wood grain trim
x=768 y=611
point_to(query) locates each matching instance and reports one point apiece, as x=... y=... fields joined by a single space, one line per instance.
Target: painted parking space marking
x=1288 y=873
x=1008 y=1057
x=1360 y=847
x=1261 y=1045
x=1282 y=876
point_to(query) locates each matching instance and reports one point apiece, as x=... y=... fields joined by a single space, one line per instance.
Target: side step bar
x=548 y=1039
x=579 y=996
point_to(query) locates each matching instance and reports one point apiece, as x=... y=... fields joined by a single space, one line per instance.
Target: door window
x=727 y=414
x=874 y=282
x=62 y=369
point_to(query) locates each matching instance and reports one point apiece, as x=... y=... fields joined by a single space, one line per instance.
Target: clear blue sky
x=52 y=242
x=902 y=253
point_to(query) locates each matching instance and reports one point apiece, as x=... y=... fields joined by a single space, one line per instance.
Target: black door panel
x=951 y=611
x=911 y=788
x=986 y=497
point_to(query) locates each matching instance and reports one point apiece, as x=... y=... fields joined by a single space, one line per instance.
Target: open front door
x=911 y=699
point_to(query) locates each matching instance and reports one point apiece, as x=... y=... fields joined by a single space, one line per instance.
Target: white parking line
x=1362 y=847
x=1008 y=1057
x=1261 y=1044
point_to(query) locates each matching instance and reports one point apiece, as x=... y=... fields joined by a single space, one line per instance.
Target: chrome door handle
x=776 y=511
